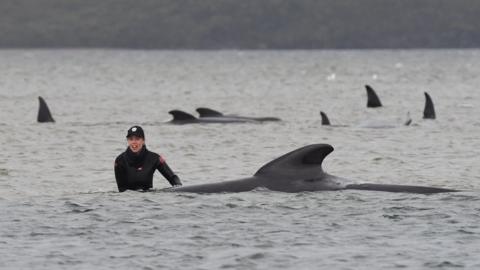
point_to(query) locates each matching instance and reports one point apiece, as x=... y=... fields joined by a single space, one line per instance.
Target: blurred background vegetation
x=240 y=24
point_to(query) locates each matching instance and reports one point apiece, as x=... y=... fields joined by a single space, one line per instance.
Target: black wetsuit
x=135 y=171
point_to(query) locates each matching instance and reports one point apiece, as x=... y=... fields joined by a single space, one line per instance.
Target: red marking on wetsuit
x=162 y=160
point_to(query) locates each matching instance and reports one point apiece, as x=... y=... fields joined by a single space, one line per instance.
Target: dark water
x=60 y=208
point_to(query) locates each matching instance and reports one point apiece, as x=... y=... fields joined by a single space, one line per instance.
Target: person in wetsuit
x=135 y=167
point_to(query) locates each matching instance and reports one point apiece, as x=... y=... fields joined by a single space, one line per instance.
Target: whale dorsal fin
x=429 y=111
x=372 y=98
x=44 y=114
x=181 y=116
x=207 y=112
x=298 y=161
x=325 y=120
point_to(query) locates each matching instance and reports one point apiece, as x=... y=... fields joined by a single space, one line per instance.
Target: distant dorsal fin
x=429 y=111
x=298 y=161
x=372 y=98
x=181 y=116
x=207 y=112
x=408 y=121
x=325 y=120
x=44 y=114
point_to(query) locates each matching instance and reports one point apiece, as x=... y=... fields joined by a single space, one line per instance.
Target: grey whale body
x=300 y=171
x=182 y=118
x=326 y=122
x=207 y=113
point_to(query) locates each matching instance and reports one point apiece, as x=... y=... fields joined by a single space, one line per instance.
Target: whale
x=326 y=121
x=208 y=113
x=301 y=171
x=182 y=118
x=44 y=115
x=372 y=98
x=373 y=101
x=370 y=124
x=429 y=109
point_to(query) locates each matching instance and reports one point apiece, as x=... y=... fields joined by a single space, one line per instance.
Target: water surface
x=58 y=193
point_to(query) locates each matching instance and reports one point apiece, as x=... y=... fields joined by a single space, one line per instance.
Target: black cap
x=136 y=131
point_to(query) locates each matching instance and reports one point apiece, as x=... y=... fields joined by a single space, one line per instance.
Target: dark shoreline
x=240 y=25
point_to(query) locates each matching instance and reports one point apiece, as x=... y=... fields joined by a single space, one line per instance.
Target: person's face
x=135 y=143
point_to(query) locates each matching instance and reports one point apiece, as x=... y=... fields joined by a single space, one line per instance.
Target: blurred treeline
x=240 y=24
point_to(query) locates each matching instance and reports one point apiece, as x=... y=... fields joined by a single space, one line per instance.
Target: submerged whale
x=371 y=124
x=181 y=118
x=44 y=114
x=208 y=113
x=298 y=171
x=372 y=98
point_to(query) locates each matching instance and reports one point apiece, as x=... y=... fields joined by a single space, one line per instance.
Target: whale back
x=299 y=171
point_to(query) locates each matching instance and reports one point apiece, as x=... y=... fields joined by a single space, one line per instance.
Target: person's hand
x=176 y=181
